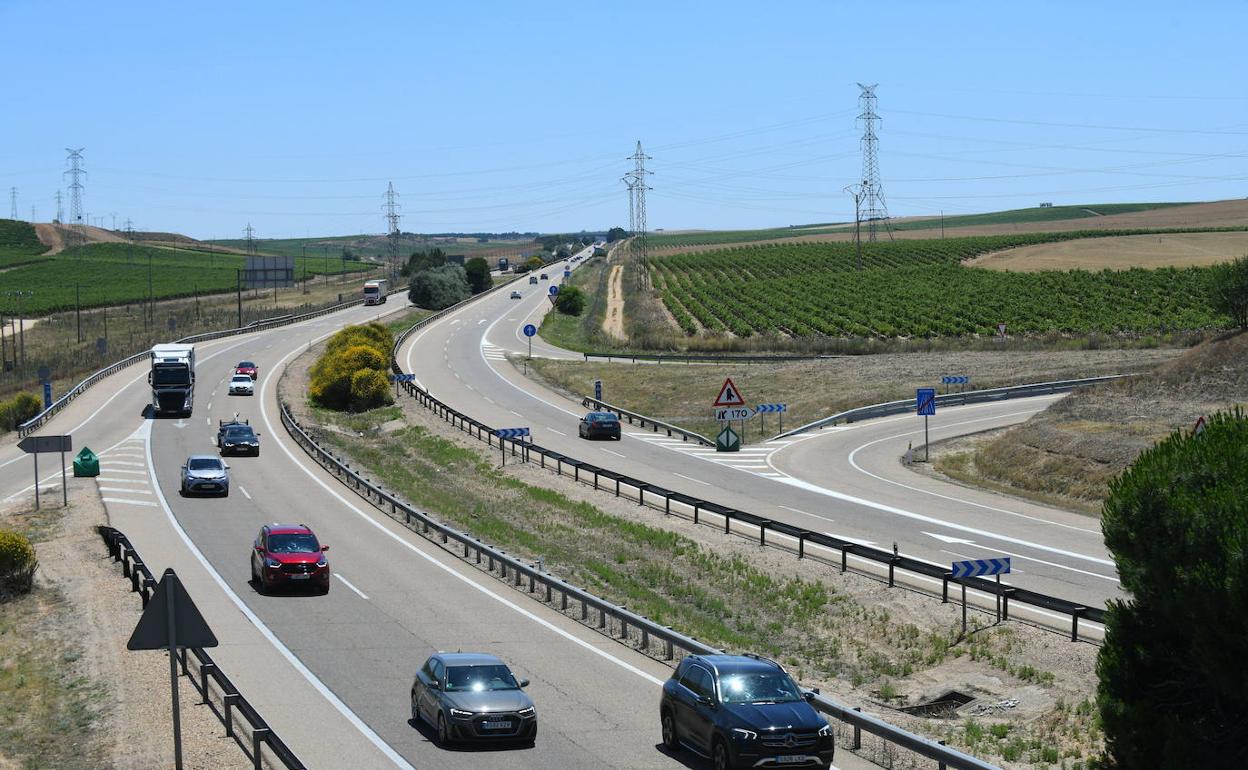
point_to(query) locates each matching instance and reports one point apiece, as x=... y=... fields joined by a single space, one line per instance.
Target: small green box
x=86 y=463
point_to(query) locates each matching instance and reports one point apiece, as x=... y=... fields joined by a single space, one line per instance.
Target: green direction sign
x=728 y=440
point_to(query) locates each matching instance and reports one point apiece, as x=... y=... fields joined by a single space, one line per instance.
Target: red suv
x=286 y=555
x=248 y=368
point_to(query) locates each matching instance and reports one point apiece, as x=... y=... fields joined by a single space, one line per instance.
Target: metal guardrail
x=643 y=421
x=952 y=399
x=610 y=619
x=143 y=583
x=689 y=358
x=36 y=422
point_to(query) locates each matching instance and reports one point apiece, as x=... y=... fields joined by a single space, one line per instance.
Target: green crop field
x=18 y=244
x=117 y=274
x=918 y=288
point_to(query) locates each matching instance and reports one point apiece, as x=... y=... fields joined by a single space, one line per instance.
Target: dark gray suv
x=473 y=696
x=743 y=711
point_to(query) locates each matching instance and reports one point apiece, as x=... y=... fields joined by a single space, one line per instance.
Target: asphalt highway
x=846 y=481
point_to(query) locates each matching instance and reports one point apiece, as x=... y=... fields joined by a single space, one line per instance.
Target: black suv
x=743 y=711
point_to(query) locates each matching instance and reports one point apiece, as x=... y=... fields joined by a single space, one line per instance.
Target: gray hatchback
x=473 y=696
x=205 y=474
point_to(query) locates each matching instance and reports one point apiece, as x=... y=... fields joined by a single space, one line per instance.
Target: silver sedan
x=205 y=474
x=473 y=696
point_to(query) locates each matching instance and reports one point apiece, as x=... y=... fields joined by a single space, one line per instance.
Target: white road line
x=129 y=502
x=210 y=404
x=208 y=420
x=609 y=451
x=471 y=582
x=691 y=478
x=487 y=398
x=552 y=430
x=126 y=490
x=347 y=583
x=282 y=649
x=125 y=462
x=111 y=480
x=513 y=411
x=795 y=510
x=243 y=489
x=111 y=469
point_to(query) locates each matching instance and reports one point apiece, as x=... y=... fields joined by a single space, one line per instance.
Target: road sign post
x=509 y=433
x=960 y=570
x=169 y=621
x=37 y=444
x=529 y=331
x=763 y=409
x=598 y=390
x=925 y=402
x=728 y=439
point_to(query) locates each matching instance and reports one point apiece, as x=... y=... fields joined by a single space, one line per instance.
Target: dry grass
x=1120 y=253
x=682 y=394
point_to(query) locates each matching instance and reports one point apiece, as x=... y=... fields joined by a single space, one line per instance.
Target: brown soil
x=1071 y=451
x=1121 y=253
x=54 y=236
x=613 y=320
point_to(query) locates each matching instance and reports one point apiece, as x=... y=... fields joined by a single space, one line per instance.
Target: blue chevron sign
x=957 y=379
x=402 y=378
x=981 y=567
x=767 y=408
x=511 y=432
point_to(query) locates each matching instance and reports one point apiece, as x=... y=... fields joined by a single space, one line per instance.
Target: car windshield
x=204 y=464
x=238 y=433
x=480 y=678
x=241 y=378
x=171 y=375
x=758 y=687
x=601 y=417
x=246 y=365
x=299 y=542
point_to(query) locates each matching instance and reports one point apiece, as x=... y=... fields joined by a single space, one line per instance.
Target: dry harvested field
x=1232 y=213
x=1120 y=253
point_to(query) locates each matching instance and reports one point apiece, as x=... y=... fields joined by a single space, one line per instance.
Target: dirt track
x=613 y=321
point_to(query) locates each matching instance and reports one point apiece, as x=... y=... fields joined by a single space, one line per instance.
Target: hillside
x=1158 y=249
x=1070 y=452
x=19 y=244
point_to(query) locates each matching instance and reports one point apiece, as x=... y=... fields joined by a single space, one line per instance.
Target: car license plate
x=300 y=577
x=496 y=725
x=791 y=759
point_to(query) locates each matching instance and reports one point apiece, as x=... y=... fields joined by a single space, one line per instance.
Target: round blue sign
x=554 y=289
x=530 y=329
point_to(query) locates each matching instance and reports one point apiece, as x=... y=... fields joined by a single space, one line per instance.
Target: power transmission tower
x=60 y=208
x=75 y=174
x=874 y=211
x=12 y=203
x=392 y=229
x=251 y=242
x=637 y=185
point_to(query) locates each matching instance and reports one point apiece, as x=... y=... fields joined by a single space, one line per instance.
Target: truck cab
x=172 y=379
x=375 y=291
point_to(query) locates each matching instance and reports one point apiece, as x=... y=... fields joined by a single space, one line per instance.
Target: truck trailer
x=375 y=291
x=173 y=379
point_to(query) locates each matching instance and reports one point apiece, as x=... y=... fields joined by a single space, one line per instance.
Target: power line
x=872 y=207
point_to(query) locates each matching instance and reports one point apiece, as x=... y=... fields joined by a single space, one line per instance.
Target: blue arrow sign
x=981 y=567
x=530 y=329
x=402 y=378
x=567 y=273
x=767 y=408
x=511 y=432
x=957 y=379
x=925 y=399
x=554 y=290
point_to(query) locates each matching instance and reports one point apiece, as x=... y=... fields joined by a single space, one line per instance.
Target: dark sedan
x=600 y=424
x=239 y=440
x=473 y=696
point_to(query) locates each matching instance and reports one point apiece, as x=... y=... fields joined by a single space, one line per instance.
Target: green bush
x=18 y=563
x=1173 y=686
x=570 y=301
x=19 y=409
x=1229 y=284
x=439 y=287
x=351 y=373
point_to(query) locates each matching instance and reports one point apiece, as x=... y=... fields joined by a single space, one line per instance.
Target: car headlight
x=461 y=714
x=272 y=563
x=527 y=711
x=825 y=731
x=321 y=562
x=740 y=733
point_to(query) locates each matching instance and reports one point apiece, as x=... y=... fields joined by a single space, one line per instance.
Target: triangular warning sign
x=1200 y=426
x=729 y=395
x=189 y=627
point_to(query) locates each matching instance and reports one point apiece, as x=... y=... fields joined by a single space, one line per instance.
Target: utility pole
x=32 y=213
x=874 y=210
x=12 y=203
x=856 y=191
x=60 y=209
x=251 y=242
x=75 y=174
x=392 y=231
x=21 y=330
x=942 y=224
x=638 y=186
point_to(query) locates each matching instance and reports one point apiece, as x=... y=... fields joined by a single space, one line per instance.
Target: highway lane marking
x=691 y=478
x=950 y=498
x=111 y=469
x=111 y=480
x=552 y=430
x=127 y=490
x=617 y=454
x=480 y=322
x=487 y=398
x=145 y=503
x=265 y=631
x=125 y=462
x=513 y=411
x=210 y=404
x=592 y=648
x=243 y=489
x=347 y=583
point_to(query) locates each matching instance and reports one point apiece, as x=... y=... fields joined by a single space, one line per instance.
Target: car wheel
x=415 y=712
x=719 y=755
x=670 y=739
x=444 y=732
x=255 y=578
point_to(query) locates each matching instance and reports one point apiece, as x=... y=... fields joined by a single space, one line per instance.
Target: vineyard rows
x=920 y=289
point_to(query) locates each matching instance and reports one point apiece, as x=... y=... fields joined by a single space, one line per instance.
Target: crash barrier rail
x=952 y=399
x=689 y=358
x=643 y=421
x=143 y=583
x=36 y=422
x=613 y=620
x=696 y=508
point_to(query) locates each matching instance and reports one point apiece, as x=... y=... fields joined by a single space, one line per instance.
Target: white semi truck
x=375 y=291
x=173 y=379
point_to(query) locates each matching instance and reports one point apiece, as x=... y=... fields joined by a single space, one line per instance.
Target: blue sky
x=495 y=116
